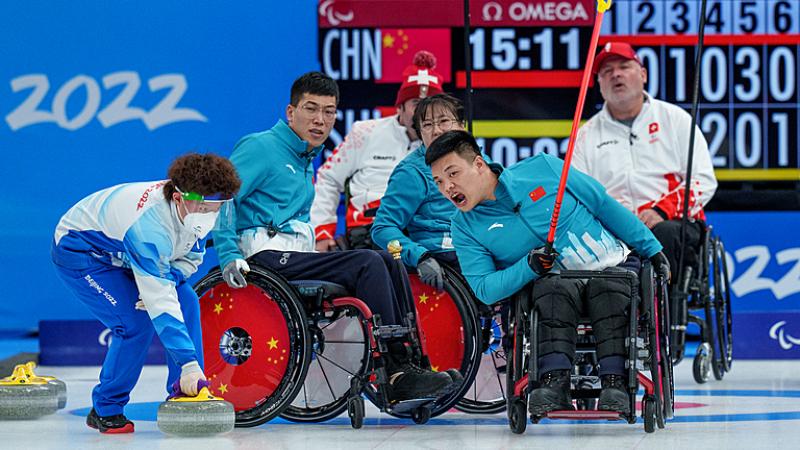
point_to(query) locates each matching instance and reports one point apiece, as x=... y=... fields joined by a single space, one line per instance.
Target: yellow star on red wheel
x=223 y=388
x=218 y=308
x=273 y=343
x=423 y=298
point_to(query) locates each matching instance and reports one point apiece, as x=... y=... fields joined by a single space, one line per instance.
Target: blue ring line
x=148 y=411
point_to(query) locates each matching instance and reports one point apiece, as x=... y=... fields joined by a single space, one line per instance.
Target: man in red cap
x=637 y=147
x=362 y=163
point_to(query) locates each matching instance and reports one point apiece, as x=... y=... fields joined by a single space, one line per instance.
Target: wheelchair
x=704 y=288
x=307 y=350
x=457 y=330
x=647 y=347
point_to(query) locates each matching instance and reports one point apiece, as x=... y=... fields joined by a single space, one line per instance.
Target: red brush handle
x=587 y=73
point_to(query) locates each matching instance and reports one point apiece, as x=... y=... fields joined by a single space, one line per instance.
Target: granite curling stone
x=61 y=387
x=203 y=415
x=23 y=397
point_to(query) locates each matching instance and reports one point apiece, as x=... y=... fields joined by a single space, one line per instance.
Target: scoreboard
x=749 y=79
x=527 y=61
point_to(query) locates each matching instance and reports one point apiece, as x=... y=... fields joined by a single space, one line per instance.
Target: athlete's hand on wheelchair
x=234 y=273
x=661 y=265
x=541 y=260
x=430 y=272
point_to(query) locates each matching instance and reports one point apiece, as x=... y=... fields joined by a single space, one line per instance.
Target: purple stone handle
x=176 y=388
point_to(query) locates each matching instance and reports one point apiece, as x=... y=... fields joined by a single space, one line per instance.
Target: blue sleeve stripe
x=175 y=338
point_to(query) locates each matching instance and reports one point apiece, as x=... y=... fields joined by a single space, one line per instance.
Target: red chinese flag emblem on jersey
x=537 y=193
x=398 y=46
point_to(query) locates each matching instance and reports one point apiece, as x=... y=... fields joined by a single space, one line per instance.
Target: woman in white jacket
x=363 y=162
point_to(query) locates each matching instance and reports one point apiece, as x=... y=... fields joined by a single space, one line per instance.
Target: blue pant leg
x=110 y=293
x=359 y=271
x=190 y=308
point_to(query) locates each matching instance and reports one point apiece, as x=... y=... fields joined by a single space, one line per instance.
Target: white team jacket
x=368 y=155
x=644 y=166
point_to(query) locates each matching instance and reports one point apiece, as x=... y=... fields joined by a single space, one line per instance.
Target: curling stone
x=61 y=387
x=202 y=415
x=25 y=397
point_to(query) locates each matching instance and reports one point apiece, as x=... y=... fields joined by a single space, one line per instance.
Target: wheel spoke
x=497 y=375
x=325 y=375
x=320 y=356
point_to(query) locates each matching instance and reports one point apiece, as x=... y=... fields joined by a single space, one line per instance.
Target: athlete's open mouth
x=459 y=199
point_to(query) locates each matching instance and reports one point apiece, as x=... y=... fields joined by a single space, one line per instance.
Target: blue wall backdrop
x=97 y=93
x=764 y=264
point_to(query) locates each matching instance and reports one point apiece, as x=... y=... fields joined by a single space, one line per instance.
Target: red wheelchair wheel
x=255 y=343
x=441 y=326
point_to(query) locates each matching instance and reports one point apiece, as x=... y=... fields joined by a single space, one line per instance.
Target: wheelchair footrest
x=408 y=405
x=584 y=415
x=579 y=394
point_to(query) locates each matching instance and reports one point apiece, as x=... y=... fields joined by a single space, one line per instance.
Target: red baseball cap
x=622 y=49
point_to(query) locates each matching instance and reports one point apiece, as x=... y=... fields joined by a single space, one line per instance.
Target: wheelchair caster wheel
x=702 y=363
x=517 y=417
x=355 y=410
x=649 y=413
x=421 y=415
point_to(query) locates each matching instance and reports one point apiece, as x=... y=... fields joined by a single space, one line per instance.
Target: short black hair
x=445 y=101
x=314 y=83
x=458 y=141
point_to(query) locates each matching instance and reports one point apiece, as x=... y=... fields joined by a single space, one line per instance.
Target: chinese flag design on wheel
x=245 y=344
x=440 y=326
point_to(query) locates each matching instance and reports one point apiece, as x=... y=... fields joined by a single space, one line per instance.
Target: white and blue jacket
x=132 y=226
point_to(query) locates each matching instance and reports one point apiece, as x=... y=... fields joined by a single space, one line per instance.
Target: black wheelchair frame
x=647 y=344
x=706 y=289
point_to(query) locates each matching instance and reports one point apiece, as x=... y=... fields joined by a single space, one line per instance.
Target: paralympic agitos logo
x=326 y=9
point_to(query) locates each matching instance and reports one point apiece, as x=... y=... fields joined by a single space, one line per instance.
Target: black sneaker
x=614 y=396
x=110 y=425
x=455 y=375
x=552 y=395
x=412 y=382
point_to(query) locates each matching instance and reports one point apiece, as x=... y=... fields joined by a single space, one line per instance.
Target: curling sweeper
x=202 y=415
